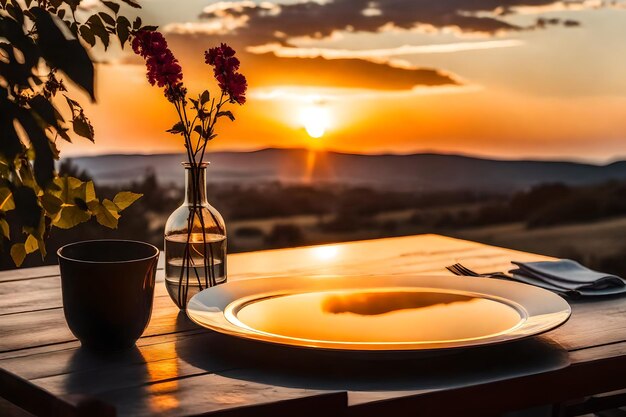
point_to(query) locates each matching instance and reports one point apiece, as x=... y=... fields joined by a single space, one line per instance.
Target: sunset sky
x=534 y=78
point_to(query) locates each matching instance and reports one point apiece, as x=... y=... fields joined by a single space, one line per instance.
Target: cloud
x=222 y=26
x=378 y=54
x=348 y=73
x=312 y=95
x=266 y=70
x=225 y=8
x=556 y=6
x=268 y=22
x=233 y=23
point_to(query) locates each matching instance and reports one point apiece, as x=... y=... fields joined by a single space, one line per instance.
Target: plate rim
x=231 y=329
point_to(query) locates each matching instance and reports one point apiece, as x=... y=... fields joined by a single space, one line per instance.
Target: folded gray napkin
x=568 y=277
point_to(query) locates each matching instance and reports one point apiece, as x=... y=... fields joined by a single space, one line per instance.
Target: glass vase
x=195 y=241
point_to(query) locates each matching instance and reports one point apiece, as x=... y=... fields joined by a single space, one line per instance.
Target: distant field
x=597 y=239
x=587 y=242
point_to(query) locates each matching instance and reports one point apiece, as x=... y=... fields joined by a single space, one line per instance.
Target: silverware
x=458 y=269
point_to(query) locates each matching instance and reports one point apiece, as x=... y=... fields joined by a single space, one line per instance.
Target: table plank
x=48 y=327
x=29 y=273
x=591 y=371
x=159 y=376
x=593 y=323
x=211 y=394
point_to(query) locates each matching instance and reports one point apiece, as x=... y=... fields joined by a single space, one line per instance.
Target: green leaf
x=226 y=113
x=18 y=253
x=87 y=34
x=5 y=229
x=42 y=248
x=95 y=24
x=123 y=29
x=90 y=192
x=137 y=23
x=83 y=127
x=111 y=207
x=51 y=204
x=72 y=103
x=64 y=186
x=112 y=5
x=70 y=188
x=31 y=244
x=105 y=212
x=15 y=11
x=124 y=199
x=107 y=18
x=70 y=216
x=205 y=97
x=68 y=55
x=26 y=174
x=177 y=129
x=131 y=3
x=44 y=161
x=6 y=199
x=63 y=133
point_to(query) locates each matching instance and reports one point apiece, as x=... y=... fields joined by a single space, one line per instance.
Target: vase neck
x=195 y=185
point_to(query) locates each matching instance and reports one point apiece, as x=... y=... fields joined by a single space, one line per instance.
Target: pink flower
x=225 y=65
x=163 y=68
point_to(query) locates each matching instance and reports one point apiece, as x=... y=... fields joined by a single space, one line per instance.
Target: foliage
x=43 y=45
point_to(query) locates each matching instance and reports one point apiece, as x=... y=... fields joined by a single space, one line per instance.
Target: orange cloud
x=376 y=54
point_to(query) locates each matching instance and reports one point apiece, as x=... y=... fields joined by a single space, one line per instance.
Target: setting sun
x=315 y=120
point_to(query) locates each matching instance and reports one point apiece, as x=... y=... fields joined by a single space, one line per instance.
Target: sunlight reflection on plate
x=379 y=316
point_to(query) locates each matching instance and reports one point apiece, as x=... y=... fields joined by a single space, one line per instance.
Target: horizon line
x=606 y=162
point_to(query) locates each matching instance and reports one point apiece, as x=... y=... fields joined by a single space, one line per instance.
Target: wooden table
x=179 y=369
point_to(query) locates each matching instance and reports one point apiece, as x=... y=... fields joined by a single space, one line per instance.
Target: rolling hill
x=415 y=171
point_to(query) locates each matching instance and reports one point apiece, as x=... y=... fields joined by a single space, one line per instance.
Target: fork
x=458 y=269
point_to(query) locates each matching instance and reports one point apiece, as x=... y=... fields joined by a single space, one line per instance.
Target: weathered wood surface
x=179 y=369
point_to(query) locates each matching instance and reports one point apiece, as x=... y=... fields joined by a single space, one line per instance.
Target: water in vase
x=199 y=275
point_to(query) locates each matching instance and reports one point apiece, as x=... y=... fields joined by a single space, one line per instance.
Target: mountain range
x=422 y=171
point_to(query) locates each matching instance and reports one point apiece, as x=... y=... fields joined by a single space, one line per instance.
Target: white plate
x=378 y=313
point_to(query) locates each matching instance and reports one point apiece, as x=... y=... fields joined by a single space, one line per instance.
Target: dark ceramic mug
x=108 y=288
